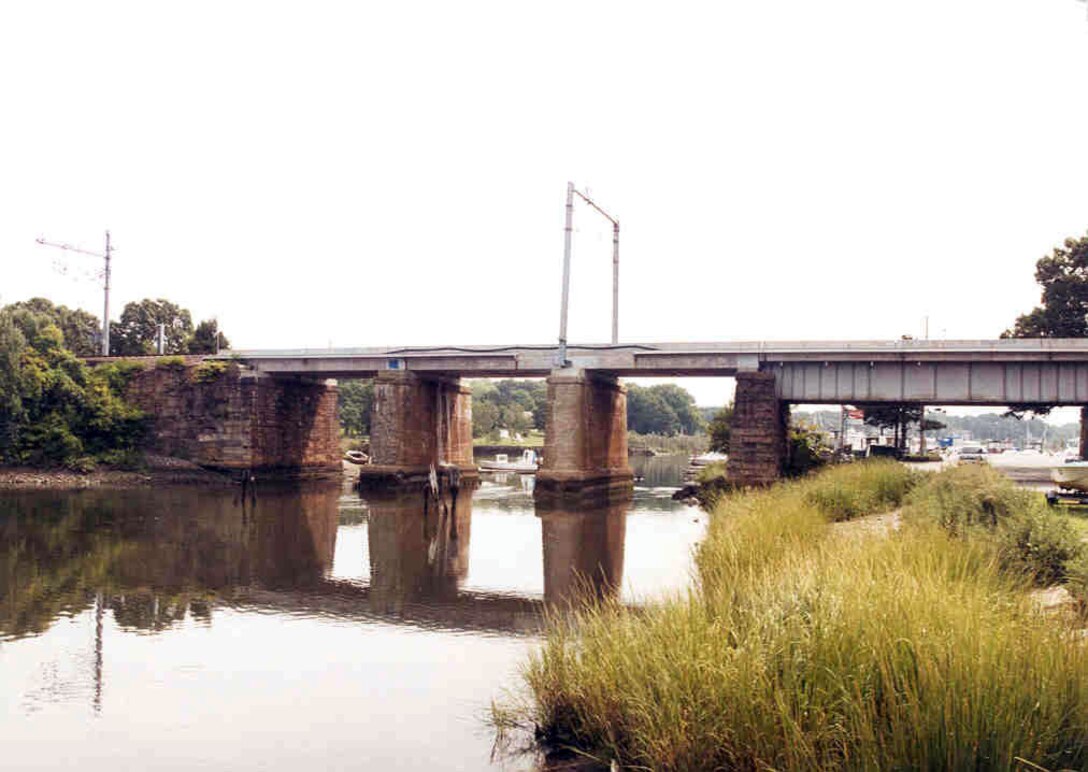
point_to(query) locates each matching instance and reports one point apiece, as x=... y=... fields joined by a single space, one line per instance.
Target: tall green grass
x=804 y=648
x=977 y=502
x=853 y=490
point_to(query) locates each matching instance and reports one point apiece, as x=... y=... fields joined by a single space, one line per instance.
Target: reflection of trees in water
x=156 y=556
x=50 y=557
x=660 y=471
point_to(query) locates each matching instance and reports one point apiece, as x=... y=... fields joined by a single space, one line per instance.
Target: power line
x=105 y=282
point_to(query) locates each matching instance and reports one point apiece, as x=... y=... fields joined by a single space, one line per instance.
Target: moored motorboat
x=1072 y=475
x=527 y=464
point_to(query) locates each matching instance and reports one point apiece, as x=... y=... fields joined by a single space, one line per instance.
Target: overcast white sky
x=387 y=173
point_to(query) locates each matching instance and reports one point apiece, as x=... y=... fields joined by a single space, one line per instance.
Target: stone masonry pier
x=418 y=423
x=585 y=435
x=757 y=439
x=223 y=416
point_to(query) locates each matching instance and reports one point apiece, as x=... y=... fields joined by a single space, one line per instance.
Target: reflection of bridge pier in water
x=418 y=544
x=583 y=544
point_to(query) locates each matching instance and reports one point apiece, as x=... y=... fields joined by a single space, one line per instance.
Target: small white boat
x=527 y=464
x=1072 y=475
x=708 y=458
x=357 y=457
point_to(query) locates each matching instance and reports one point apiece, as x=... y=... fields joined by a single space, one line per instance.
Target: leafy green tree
x=649 y=413
x=895 y=416
x=485 y=419
x=515 y=418
x=56 y=409
x=135 y=334
x=683 y=406
x=514 y=405
x=202 y=341
x=12 y=415
x=81 y=330
x=356 y=399
x=1063 y=312
x=719 y=428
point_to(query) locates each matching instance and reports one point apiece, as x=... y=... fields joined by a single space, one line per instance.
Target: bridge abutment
x=757 y=439
x=418 y=423
x=224 y=417
x=585 y=435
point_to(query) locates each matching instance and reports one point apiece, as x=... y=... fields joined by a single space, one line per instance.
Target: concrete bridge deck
x=1050 y=371
x=632 y=359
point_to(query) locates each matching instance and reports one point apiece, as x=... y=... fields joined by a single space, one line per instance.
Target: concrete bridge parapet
x=585 y=435
x=418 y=422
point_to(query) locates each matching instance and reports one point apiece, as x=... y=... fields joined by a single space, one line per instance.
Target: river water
x=188 y=629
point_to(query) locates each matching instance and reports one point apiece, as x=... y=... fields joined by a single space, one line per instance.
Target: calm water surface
x=179 y=629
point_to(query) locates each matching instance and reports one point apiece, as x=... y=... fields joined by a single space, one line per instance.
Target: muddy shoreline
x=23 y=478
x=160 y=471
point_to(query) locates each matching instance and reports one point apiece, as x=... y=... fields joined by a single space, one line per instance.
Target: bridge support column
x=1084 y=432
x=416 y=423
x=757 y=439
x=585 y=436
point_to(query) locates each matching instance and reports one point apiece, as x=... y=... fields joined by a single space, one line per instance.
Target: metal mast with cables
x=568 y=231
x=105 y=283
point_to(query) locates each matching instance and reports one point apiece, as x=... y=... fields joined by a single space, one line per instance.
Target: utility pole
x=567 y=232
x=105 y=283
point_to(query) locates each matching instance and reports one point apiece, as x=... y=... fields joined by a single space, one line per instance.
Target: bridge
x=276 y=410
x=422 y=413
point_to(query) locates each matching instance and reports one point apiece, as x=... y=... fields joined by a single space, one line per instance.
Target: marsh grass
x=799 y=650
x=853 y=490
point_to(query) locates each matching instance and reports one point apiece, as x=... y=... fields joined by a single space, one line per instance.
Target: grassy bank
x=802 y=646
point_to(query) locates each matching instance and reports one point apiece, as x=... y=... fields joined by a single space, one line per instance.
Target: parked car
x=972 y=454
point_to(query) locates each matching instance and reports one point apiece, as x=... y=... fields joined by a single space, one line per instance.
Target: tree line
x=518 y=407
x=54 y=409
x=57 y=411
x=135 y=333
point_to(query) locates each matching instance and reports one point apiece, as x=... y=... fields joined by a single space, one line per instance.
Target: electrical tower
x=105 y=283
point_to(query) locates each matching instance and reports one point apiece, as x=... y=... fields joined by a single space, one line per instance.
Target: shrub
x=712 y=471
x=806 y=451
x=1076 y=571
x=118 y=374
x=171 y=363
x=82 y=465
x=129 y=459
x=1038 y=544
x=209 y=371
x=978 y=502
x=967 y=496
x=867 y=487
